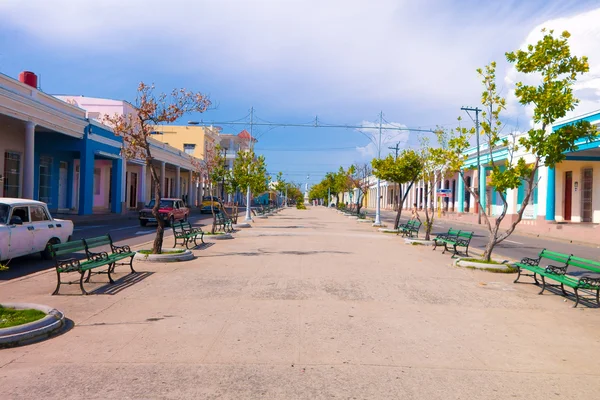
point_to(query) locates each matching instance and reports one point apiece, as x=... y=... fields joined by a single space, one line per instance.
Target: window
x=189 y=148
x=12 y=173
x=38 y=213
x=96 y=181
x=21 y=212
x=45 y=188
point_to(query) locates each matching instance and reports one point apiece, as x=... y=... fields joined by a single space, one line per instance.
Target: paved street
x=515 y=247
x=306 y=305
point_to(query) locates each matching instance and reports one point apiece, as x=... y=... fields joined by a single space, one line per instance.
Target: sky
x=343 y=61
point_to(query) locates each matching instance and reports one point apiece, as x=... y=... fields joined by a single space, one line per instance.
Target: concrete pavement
x=307 y=305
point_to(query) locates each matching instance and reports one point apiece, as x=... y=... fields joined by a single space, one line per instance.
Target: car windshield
x=163 y=204
x=4 y=210
x=207 y=198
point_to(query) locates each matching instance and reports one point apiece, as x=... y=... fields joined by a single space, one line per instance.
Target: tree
x=294 y=192
x=280 y=184
x=137 y=127
x=251 y=171
x=435 y=167
x=404 y=170
x=360 y=180
x=549 y=62
x=318 y=191
x=212 y=170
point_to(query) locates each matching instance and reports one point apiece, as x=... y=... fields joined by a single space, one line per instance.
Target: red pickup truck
x=170 y=210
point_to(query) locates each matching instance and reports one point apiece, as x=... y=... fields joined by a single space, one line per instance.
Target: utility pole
x=476 y=110
x=396 y=148
x=378 y=204
x=248 y=211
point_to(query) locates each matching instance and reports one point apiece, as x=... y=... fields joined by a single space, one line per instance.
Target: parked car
x=27 y=227
x=207 y=201
x=170 y=210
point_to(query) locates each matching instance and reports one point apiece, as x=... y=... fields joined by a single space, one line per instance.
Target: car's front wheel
x=46 y=253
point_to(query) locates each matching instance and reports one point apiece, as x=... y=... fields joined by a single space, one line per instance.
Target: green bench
x=559 y=274
x=93 y=260
x=224 y=222
x=454 y=238
x=411 y=227
x=186 y=233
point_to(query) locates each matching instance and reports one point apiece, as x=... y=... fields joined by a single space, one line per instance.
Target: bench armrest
x=556 y=270
x=534 y=262
x=68 y=264
x=101 y=256
x=120 y=249
x=590 y=281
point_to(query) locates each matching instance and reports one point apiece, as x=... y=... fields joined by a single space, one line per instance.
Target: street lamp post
x=223 y=179
x=477 y=111
x=378 y=203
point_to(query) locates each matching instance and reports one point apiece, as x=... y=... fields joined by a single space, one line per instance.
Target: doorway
x=586 y=195
x=568 y=195
x=62 y=185
x=133 y=190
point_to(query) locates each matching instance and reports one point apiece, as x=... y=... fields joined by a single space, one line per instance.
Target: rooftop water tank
x=28 y=78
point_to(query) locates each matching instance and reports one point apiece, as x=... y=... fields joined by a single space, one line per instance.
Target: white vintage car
x=27 y=227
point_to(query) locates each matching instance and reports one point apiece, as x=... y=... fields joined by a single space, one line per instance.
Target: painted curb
x=422 y=242
x=353 y=217
x=262 y=216
x=51 y=324
x=365 y=221
x=386 y=230
x=380 y=225
x=242 y=225
x=224 y=236
x=184 y=256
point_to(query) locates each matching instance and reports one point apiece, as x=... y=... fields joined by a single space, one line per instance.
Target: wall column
x=117 y=185
x=178 y=182
x=86 y=181
x=551 y=195
x=460 y=195
x=163 y=179
x=29 y=161
x=190 y=194
x=434 y=193
x=482 y=188
x=142 y=190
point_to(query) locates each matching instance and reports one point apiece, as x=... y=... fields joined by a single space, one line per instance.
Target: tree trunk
x=489 y=248
x=160 y=228
x=212 y=210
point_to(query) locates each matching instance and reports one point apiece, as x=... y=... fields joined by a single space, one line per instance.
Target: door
x=568 y=195
x=20 y=238
x=43 y=227
x=12 y=174
x=133 y=191
x=62 y=185
x=586 y=195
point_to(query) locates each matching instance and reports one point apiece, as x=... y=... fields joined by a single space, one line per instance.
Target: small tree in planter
x=251 y=171
x=212 y=170
x=280 y=185
x=550 y=61
x=404 y=170
x=136 y=129
x=360 y=180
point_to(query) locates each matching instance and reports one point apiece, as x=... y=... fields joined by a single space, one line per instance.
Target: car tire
x=171 y=221
x=143 y=222
x=185 y=218
x=46 y=254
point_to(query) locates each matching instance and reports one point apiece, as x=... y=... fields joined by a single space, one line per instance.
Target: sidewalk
x=307 y=305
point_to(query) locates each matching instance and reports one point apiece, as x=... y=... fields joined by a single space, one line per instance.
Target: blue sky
x=344 y=61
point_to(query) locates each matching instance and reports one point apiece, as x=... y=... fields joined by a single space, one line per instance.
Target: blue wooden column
x=482 y=184
x=461 y=194
x=551 y=195
x=116 y=185
x=86 y=180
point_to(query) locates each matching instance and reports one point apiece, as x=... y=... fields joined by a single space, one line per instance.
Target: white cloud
x=391 y=135
x=584 y=40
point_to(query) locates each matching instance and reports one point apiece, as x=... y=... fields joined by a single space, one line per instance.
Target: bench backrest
x=555 y=256
x=465 y=234
x=98 y=241
x=453 y=232
x=177 y=226
x=584 y=263
x=67 y=248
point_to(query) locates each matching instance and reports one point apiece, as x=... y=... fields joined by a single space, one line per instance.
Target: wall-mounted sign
x=576 y=185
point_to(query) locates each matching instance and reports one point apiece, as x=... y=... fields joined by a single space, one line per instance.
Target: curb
x=242 y=225
x=186 y=255
x=422 y=242
x=19 y=335
x=223 y=236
